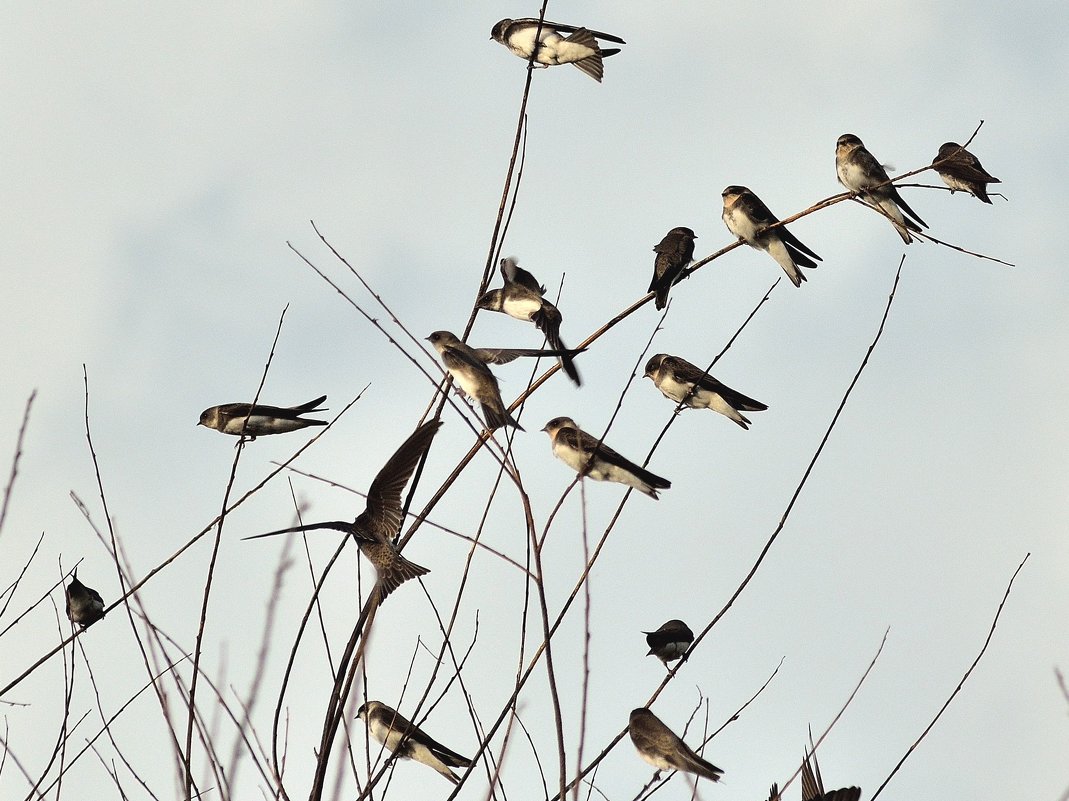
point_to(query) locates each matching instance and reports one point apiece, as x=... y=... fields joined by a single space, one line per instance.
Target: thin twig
x=964 y=678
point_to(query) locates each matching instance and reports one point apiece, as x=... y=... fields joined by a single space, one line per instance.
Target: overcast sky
x=156 y=160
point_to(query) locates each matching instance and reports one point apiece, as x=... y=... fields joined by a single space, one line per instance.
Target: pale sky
x=157 y=160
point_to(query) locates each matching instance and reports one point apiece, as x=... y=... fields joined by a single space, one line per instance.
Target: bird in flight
x=379 y=524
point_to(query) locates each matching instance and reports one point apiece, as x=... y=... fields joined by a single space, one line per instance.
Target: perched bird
x=584 y=454
x=522 y=297
x=670 y=641
x=813 y=784
x=749 y=219
x=376 y=527
x=408 y=741
x=674 y=253
x=859 y=172
x=230 y=417
x=679 y=380
x=524 y=36
x=468 y=367
x=962 y=170
x=659 y=745
x=84 y=604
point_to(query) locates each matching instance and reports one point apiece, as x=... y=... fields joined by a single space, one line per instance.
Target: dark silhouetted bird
x=84 y=604
x=670 y=641
x=674 y=253
x=961 y=170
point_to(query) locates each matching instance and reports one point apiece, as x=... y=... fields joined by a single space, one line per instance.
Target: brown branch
x=15 y=459
x=957 y=689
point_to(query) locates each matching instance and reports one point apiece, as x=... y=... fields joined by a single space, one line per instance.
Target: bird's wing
x=384 y=496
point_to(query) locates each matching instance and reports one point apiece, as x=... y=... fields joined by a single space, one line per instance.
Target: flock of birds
x=521 y=296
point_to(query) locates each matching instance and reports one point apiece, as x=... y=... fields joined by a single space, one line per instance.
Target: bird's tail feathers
x=498 y=417
x=400 y=571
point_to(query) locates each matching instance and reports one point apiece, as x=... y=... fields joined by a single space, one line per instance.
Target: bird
x=584 y=454
x=662 y=748
x=749 y=219
x=813 y=784
x=408 y=741
x=524 y=37
x=681 y=381
x=262 y=420
x=468 y=367
x=858 y=170
x=378 y=525
x=522 y=298
x=960 y=169
x=84 y=604
x=674 y=253
x=670 y=641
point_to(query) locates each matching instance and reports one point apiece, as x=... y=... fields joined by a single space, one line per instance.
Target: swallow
x=960 y=169
x=84 y=604
x=584 y=454
x=659 y=745
x=408 y=741
x=544 y=38
x=858 y=171
x=468 y=367
x=749 y=219
x=670 y=641
x=681 y=381
x=674 y=253
x=813 y=784
x=230 y=417
x=522 y=298
x=379 y=524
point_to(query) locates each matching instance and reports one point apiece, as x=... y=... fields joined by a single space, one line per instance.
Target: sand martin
x=468 y=367
x=522 y=297
x=858 y=171
x=84 y=604
x=670 y=641
x=582 y=453
x=659 y=745
x=376 y=527
x=749 y=219
x=813 y=784
x=579 y=47
x=674 y=253
x=677 y=379
x=408 y=741
x=962 y=170
x=230 y=417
